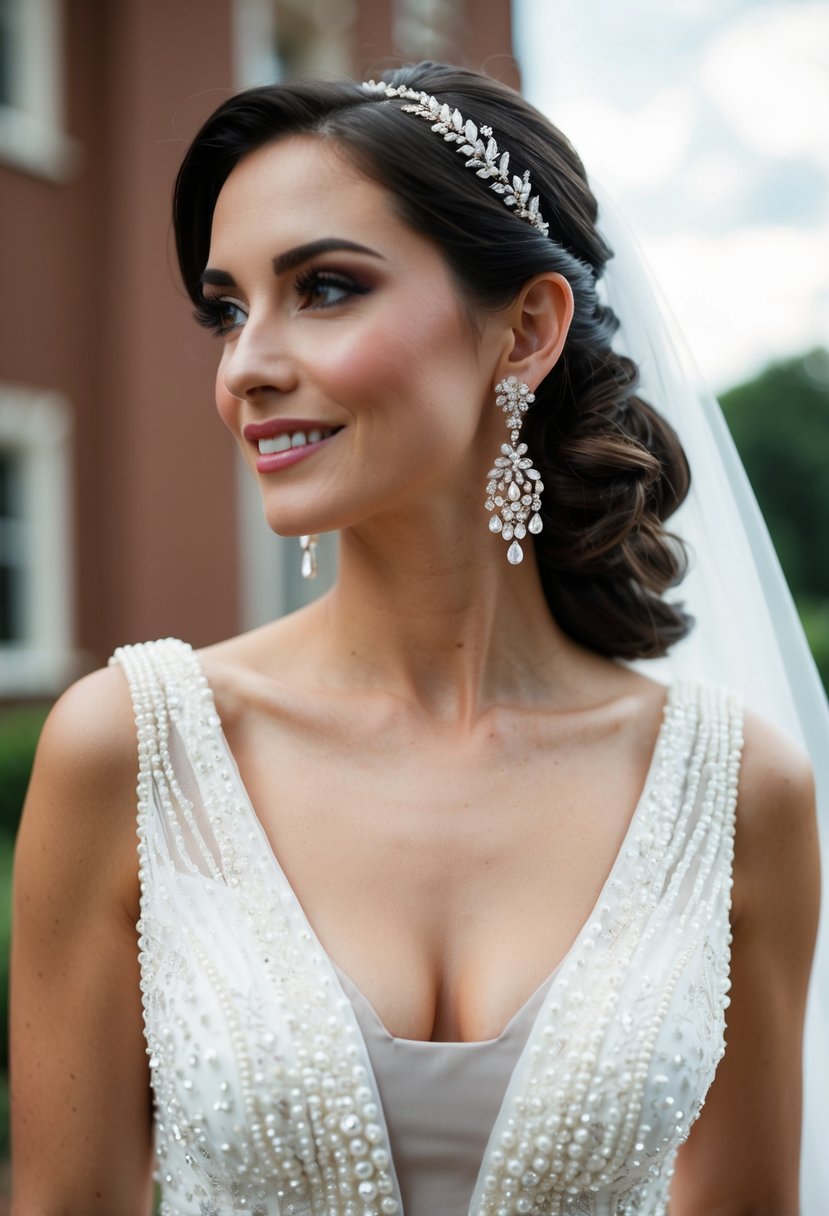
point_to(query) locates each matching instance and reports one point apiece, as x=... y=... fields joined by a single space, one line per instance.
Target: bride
x=434 y=882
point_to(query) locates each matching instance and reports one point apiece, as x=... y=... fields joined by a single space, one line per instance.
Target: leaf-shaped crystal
x=504 y=165
x=471 y=131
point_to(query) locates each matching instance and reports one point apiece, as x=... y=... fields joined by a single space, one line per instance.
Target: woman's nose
x=255 y=362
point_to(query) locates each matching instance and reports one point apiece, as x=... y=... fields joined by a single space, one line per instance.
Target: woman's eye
x=221 y=316
x=324 y=289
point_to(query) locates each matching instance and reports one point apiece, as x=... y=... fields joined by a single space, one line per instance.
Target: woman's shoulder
x=90 y=728
x=777 y=783
x=776 y=843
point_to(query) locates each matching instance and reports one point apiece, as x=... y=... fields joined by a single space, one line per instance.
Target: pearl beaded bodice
x=265 y=1100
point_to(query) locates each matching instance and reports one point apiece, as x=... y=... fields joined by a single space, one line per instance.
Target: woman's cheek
x=226 y=404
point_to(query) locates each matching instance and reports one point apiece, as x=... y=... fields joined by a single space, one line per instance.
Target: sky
x=707 y=121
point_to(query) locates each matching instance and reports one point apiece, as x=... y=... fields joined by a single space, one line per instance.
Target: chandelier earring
x=513 y=492
x=308 y=544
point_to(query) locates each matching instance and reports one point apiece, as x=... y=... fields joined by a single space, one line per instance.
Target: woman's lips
x=284 y=442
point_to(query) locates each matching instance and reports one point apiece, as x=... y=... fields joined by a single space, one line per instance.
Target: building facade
x=123 y=514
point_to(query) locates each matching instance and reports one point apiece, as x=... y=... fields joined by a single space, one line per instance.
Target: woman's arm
x=81 y=1114
x=742 y=1156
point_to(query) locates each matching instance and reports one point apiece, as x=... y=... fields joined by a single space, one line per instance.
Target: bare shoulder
x=777 y=784
x=82 y=791
x=90 y=731
x=776 y=866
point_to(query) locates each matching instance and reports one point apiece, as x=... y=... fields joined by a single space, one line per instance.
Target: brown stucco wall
x=94 y=308
x=99 y=315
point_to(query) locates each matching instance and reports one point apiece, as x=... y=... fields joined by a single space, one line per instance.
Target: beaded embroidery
x=265 y=1101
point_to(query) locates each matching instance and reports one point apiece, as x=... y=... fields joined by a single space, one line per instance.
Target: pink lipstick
x=282 y=442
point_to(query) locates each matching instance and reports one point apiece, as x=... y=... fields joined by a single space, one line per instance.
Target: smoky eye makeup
x=319 y=287
x=218 y=314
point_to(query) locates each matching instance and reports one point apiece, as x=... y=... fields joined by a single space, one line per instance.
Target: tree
x=780 y=424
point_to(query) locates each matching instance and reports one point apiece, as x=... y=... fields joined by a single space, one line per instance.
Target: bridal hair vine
x=483 y=157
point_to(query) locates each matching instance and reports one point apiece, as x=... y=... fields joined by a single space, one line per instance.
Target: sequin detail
x=265 y=1101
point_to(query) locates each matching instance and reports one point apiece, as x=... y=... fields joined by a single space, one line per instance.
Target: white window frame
x=32 y=135
x=36 y=427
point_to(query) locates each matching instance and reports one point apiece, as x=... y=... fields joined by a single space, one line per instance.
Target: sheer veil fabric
x=747 y=633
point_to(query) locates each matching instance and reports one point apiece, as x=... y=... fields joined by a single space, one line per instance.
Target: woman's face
x=350 y=373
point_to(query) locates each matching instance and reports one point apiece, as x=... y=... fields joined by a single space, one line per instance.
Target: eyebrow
x=292 y=258
x=302 y=253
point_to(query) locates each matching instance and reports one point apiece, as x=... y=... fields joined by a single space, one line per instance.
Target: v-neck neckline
x=668 y=718
x=653 y=766
x=453 y=1045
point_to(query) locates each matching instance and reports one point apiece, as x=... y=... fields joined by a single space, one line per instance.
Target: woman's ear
x=539 y=319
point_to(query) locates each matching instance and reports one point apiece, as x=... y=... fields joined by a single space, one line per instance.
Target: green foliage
x=780 y=424
x=19 y=731
x=815 y=617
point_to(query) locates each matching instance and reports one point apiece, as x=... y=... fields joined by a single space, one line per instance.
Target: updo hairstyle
x=613 y=469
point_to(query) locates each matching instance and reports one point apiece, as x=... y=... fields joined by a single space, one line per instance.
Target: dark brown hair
x=613 y=469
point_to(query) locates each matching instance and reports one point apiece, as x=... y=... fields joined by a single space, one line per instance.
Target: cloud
x=708 y=122
x=768 y=73
x=633 y=149
x=746 y=297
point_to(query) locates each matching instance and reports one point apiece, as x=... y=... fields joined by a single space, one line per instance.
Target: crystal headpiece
x=483 y=157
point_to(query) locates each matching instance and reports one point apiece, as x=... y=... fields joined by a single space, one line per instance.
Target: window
x=35 y=542
x=288 y=39
x=12 y=532
x=31 y=89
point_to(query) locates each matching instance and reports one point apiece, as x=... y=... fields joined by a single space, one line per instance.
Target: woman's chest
x=266 y=1090
x=482 y=878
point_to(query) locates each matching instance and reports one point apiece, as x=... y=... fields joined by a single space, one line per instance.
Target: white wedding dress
x=269 y=1080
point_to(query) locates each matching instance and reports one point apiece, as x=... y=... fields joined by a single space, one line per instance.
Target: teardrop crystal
x=309 y=566
x=495 y=523
x=515 y=554
x=513 y=493
x=507 y=532
x=535 y=525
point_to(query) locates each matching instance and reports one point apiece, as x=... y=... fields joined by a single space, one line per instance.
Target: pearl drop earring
x=514 y=488
x=309 y=555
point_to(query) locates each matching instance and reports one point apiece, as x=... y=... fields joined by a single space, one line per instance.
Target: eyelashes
x=315 y=289
x=322 y=285
x=213 y=314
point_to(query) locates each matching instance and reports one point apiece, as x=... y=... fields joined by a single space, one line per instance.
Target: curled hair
x=613 y=469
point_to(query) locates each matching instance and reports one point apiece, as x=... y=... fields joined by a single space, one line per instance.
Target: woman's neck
x=438 y=617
